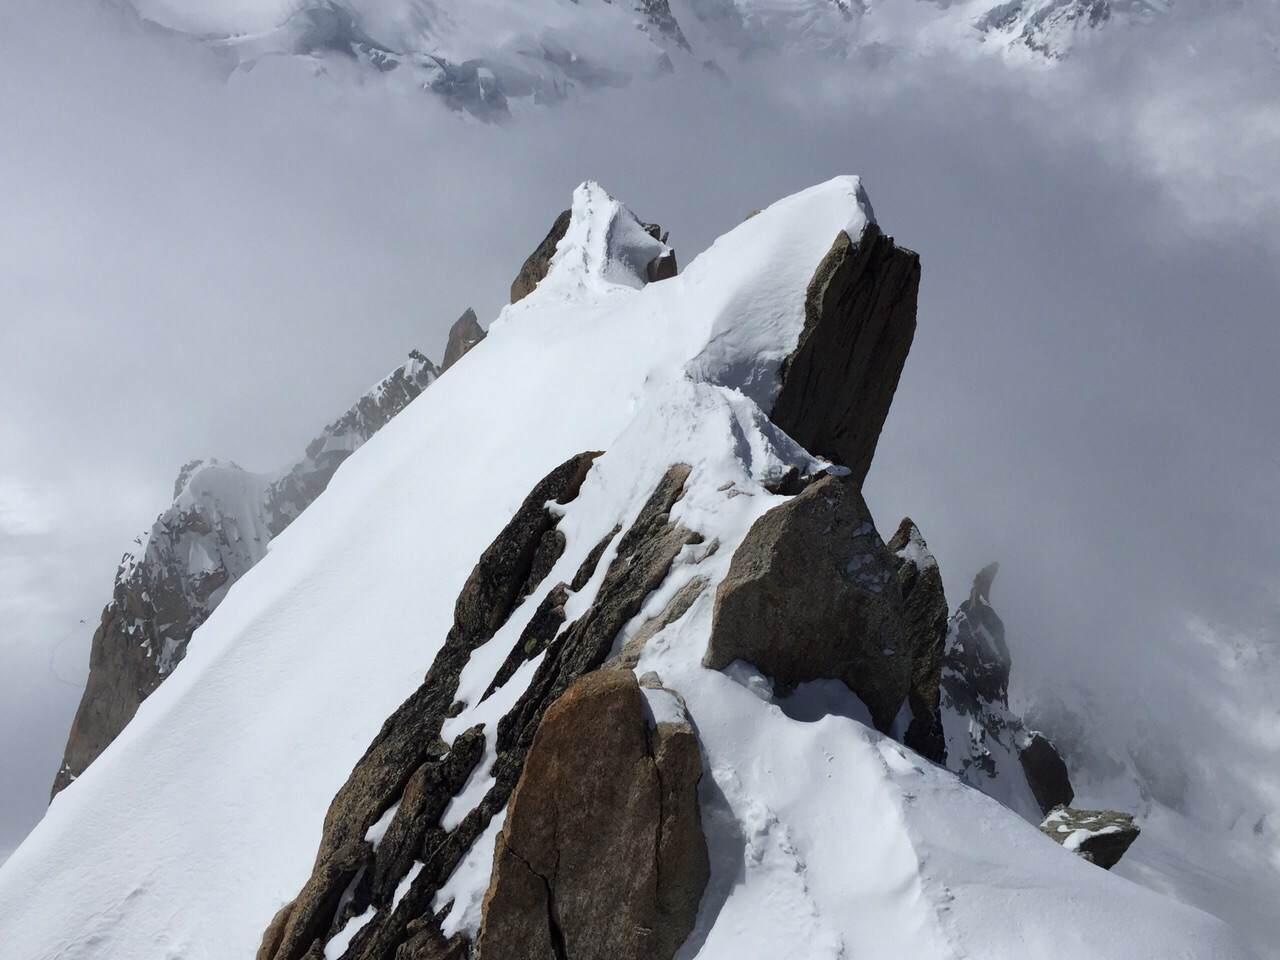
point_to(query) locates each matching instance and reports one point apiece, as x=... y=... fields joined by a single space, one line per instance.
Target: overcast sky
x=197 y=267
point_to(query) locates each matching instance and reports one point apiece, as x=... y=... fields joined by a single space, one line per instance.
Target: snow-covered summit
x=605 y=246
x=618 y=469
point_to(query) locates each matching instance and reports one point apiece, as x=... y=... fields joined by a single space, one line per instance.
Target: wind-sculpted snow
x=825 y=838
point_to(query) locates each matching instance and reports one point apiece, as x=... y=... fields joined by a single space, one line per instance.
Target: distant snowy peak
x=218 y=527
x=1050 y=27
x=479 y=55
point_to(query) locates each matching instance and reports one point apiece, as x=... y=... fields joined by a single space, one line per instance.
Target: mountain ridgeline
x=592 y=778
x=644 y=682
x=547 y=52
x=220 y=524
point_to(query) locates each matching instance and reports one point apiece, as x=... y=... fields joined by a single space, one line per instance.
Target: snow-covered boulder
x=1099 y=836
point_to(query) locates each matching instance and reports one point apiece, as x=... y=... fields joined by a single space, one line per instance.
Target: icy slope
x=826 y=839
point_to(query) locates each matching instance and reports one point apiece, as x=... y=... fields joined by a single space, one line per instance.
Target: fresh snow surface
x=826 y=838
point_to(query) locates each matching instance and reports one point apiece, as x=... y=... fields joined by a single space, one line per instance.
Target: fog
x=194 y=265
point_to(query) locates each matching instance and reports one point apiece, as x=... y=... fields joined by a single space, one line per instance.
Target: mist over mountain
x=212 y=263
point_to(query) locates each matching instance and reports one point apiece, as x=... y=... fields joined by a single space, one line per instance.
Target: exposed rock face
x=860 y=319
x=607 y=801
x=812 y=593
x=987 y=744
x=925 y=605
x=535 y=267
x=663 y=266
x=465 y=333
x=1099 y=836
x=409 y=774
x=658 y=13
x=218 y=527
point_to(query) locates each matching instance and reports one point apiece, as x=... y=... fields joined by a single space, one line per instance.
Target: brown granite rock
x=812 y=593
x=926 y=612
x=607 y=804
x=407 y=763
x=465 y=333
x=535 y=267
x=860 y=318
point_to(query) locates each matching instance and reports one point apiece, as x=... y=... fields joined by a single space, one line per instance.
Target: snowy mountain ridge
x=594 y=611
x=219 y=526
x=481 y=55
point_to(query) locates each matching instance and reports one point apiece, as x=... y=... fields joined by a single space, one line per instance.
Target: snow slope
x=216 y=529
x=826 y=838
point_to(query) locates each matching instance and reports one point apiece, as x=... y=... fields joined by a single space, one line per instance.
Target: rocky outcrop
x=1099 y=836
x=409 y=775
x=987 y=744
x=536 y=265
x=1046 y=772
x=663 y=266
x=608 y=801
x=217 y=529
x=860 y=319
x=925 y=610
x=812 y=593
x=465 y=333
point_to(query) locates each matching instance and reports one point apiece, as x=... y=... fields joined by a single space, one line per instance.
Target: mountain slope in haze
x=648 y=408
x=480 y=55
x=221 y=523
